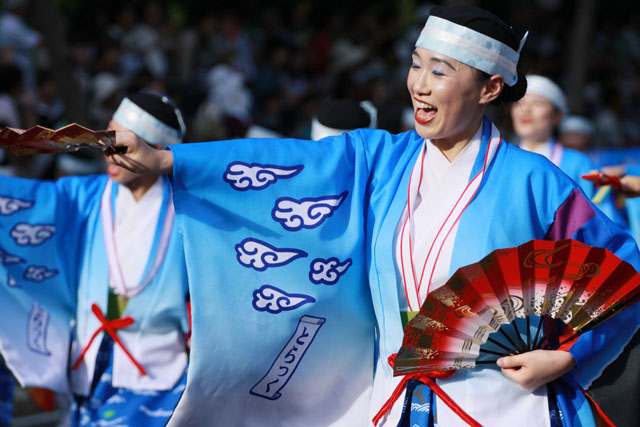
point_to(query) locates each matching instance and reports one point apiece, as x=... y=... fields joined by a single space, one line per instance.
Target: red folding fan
x=39 y=139
x=567 y=287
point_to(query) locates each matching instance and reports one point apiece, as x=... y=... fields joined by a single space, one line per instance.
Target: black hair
x=343 y=114
x=492 y=26
x=159 y=106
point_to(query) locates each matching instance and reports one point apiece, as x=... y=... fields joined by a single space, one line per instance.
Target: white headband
x=544 y=87
x=471 y=47
x=577 y=124
x=146 y=126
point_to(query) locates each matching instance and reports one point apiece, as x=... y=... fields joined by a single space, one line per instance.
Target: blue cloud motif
x=38 y=274
x=7 y=259
x=259 y=255
x=33 y=235
x=328 y=271
x=273 y=300
x=9 y=205
x=309 y=212
x=255 y=176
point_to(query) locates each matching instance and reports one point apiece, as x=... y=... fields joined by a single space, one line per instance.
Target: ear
x=491 y=88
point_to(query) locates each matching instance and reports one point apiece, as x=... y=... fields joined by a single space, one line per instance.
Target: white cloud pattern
x=33 y=235
x=253 y=176
x=6 y=258
x=157 y=413
x=259 y=255
x=38 y=274
x=308 y=212
x=273 y=300
x=328 y=271
x=10 y=205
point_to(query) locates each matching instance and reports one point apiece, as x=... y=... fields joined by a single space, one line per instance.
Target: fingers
x=511 y=362
x=630 y=186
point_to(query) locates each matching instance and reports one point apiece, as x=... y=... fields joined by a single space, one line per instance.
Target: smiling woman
x=394 y=216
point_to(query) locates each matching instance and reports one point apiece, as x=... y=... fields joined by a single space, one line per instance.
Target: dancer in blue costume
x=536 y=118
x=87 y=254
x=318 y=237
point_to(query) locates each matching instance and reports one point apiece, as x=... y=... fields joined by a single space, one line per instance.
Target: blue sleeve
x=41 y=235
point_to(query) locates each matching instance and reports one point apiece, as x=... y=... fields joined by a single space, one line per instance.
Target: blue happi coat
x=575 y=164
x=54 y=267
x=304 y=231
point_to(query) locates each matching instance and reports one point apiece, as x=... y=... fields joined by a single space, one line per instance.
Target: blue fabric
x=238 y=201
x=53 y=267
x=108 y=405
x=7 y=384
x=575 y=164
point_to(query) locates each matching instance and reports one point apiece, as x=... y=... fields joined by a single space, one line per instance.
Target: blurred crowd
x=249 y=69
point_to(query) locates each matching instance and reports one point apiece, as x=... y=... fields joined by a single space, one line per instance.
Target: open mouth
x=425 y=112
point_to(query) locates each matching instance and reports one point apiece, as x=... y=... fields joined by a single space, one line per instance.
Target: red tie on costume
x=427 y=380
x=110 y=326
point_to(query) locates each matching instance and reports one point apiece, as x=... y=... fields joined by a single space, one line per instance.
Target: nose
x=420 y=84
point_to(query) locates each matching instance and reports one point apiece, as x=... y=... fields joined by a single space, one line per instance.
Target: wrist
x=166 y=162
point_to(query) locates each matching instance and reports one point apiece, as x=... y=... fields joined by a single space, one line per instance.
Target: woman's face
x=446 y=97
x=534 y=118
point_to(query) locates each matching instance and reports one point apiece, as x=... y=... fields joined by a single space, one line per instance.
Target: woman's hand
x=536 y=368
x=630 y=186
x=132 y=153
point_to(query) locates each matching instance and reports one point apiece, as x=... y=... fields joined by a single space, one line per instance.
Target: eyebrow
x=443 y=61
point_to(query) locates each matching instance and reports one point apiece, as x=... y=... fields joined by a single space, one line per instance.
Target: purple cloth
x=572 y=214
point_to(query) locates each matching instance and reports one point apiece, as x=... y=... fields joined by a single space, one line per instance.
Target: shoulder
x=382 y=147
x=524 y=166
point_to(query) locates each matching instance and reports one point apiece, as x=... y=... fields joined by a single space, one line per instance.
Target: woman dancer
x=380 y=216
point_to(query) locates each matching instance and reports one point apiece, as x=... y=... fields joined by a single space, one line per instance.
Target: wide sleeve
x=274 y=235
x=41 y=233
x=578 y=218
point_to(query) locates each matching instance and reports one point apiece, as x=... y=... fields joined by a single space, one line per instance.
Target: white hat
x=546 y=88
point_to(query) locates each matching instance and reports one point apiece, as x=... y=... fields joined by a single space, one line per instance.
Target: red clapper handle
x=600 y=179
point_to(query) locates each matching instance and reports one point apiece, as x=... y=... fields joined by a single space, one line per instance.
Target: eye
x=415 y=65
x=438 y=73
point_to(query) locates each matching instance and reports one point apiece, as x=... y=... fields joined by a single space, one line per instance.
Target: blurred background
x=234 y=65
x=239 y=68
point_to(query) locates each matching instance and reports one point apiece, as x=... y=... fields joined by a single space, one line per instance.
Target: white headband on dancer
x=471 y=47
x=544 y=87
x=146 y=126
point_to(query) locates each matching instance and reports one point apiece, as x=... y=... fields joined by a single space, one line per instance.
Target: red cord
x=109 y=326
x=423 y=378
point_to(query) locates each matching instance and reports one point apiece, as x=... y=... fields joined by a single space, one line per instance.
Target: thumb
x=509 y=362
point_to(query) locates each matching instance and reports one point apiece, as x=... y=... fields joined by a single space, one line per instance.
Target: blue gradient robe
x=305 y=231
x=54 y=267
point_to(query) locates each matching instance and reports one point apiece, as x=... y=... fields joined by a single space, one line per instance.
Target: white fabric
x=477 y=391
x=134 y=228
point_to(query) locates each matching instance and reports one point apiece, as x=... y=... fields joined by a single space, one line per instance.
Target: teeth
x=425 y=106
